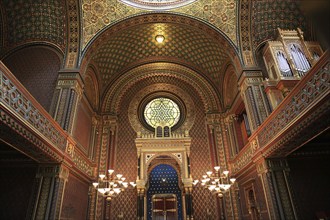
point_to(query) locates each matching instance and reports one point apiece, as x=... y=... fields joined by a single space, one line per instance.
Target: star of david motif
x=162 y=111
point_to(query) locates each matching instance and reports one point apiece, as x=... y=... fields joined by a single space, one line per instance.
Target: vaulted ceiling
x=183 y=44
x=203 y=35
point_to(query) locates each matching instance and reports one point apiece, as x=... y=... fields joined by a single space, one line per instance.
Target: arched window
x=283 y=64
x=159 y=131
x=166 y=131
x=299 y=60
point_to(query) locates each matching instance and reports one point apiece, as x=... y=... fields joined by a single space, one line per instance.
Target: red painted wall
x=37 y=69
x=75 y=200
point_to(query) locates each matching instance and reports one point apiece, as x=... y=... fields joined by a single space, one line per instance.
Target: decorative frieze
x=245 y=156
x=83 y=164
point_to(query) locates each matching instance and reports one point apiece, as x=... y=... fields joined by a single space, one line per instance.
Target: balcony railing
x=277 y=135
x=20 y=111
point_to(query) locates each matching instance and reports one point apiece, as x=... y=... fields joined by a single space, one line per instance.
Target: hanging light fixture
x=217 y=182
x=111 y=185
x=160 y=38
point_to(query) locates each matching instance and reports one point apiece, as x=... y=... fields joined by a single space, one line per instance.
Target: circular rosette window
x=161 y=112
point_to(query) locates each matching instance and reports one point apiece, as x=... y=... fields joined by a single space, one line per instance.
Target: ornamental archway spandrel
x=114 y=94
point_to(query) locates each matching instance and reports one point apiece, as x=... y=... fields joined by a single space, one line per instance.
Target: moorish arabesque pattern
x=99 y=14
x=35 y=20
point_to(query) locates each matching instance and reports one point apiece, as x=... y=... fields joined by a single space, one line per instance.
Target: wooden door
x=164 y=207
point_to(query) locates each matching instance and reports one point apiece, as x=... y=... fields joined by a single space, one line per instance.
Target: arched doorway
x=164 y=196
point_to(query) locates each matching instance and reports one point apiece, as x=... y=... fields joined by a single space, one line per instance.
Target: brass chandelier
x=218 y=182
x=111 y=185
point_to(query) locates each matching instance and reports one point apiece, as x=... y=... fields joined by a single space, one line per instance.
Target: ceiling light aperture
x=160 y=38
x=157 y=5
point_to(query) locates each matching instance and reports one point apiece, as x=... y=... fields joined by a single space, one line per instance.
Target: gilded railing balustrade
x=299 y=117
x=21 y=112
x=16 y=99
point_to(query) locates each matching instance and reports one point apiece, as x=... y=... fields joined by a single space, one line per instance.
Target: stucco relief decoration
x=70 y=149
x=148 y=157
x=98 y=14
x=178 y=155
x=254 y=145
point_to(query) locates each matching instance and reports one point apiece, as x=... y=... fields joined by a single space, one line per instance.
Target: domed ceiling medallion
x=157 y=4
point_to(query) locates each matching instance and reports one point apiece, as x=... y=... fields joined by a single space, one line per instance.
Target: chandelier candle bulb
x=119 y=176
x=218 y=182
x=111 y=185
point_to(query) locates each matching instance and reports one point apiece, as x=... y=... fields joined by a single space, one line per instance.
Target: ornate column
x=188 y=202
x=274 y=174
x=254 y=97
x=219 y=146
x=92 y=151
x=66 y=97
x=231 y=135
x=94 y=155
x=105 y=161
x=141 y=185
x=141 y=200
x=48 y=192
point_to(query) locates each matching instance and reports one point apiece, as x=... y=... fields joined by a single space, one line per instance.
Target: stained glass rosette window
x=162 y=112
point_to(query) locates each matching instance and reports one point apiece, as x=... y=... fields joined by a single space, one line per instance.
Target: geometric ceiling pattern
x=34 y=20
x=183 y=44
x=98 y=14
x=267 y=16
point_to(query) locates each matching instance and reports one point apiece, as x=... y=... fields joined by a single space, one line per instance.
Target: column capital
x=214 y=118
x=271 y=165
x=109 y=123
x=250 y=77
x=69 y=79
x=96 y=119
x=141 y=186
x=187 y=183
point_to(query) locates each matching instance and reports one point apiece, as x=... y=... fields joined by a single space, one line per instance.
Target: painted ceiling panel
x=98 y=14
x=267 y=16
x=182 y=43
x=31 y=20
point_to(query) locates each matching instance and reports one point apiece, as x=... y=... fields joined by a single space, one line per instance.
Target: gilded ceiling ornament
x=98 y=14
